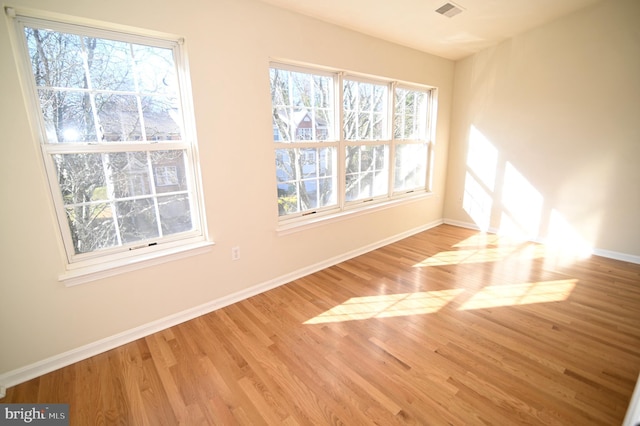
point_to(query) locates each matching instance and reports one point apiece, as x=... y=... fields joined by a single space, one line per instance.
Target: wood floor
x=449 y=326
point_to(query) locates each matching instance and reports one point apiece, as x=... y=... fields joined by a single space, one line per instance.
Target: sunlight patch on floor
x=387 y=305
x=456 y=257
x=428 y=302
x=520 y=294
x=481 y=239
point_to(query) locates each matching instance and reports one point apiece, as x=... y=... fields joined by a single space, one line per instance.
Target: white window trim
x=346 y=209
x=87 y=272
x=92 y=268
x=357 y=209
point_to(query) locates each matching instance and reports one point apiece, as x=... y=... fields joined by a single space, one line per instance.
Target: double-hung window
x=366 y=139
x=116 y=131
x=304 y=131
x=344 y=141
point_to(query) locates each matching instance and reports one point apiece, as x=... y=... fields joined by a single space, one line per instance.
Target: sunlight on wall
x=477 y=203
x=482 y=158
x=498 y=197
x=520 y=294
x=522 y=204
x=387 y=305
x=480 y=179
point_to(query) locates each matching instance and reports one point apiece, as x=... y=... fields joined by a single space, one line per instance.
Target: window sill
x=81 y=274
x=298 y=224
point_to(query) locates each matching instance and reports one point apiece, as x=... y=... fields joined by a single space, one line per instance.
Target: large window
x=343 y=140
x=117 y=141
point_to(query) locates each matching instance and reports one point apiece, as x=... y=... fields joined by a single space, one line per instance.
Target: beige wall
x=229 y=43
x=545 y=134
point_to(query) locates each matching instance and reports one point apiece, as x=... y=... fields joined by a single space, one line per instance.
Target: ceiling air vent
x=449 y=10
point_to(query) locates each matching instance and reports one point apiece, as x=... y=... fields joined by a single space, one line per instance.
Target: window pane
x=56 y=58
x=411 y=166
x=137 y=220
x=279 y=87
x=281 y=125
x=67 y=116
x=92 y=227
x=301 y=89
x=380 y=98
x=81 y=177
x=155 y=70
x=350 y=122
x=285 y=165
x=175 y=214
x=323 y=91
x=367 y=172
x=130 y=174
x=364 y=111
x=288 y=198
x=169 y=171
x=365 y=95
x=162 y=118
x=378 y=126
x=364 y=126
x=110 y=64
x=119 y=117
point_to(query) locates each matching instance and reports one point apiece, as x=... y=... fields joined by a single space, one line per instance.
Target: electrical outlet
x=235 y=253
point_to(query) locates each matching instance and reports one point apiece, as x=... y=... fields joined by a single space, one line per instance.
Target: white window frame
x=384 y=141
x=429 y=136
x=85 y=267
x=287 y=223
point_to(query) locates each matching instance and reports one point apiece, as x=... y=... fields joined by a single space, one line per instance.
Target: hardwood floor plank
x=450 y=326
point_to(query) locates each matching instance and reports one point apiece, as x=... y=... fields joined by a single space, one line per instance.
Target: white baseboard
x=55 y=362
x=617 y=256
x=631 y=258
x=468 y=225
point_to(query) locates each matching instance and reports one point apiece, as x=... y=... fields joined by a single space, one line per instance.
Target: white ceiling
x=414 y=23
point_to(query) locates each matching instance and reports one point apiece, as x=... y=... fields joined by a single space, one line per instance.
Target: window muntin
x=365 y=110
x=367 y=171
x=383 y=145
x=410 y=114
x=120 y=164
x=302 y=104
x=306 y=179
x=410 y=167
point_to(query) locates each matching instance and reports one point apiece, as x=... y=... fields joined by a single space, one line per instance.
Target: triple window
x=342 y=140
